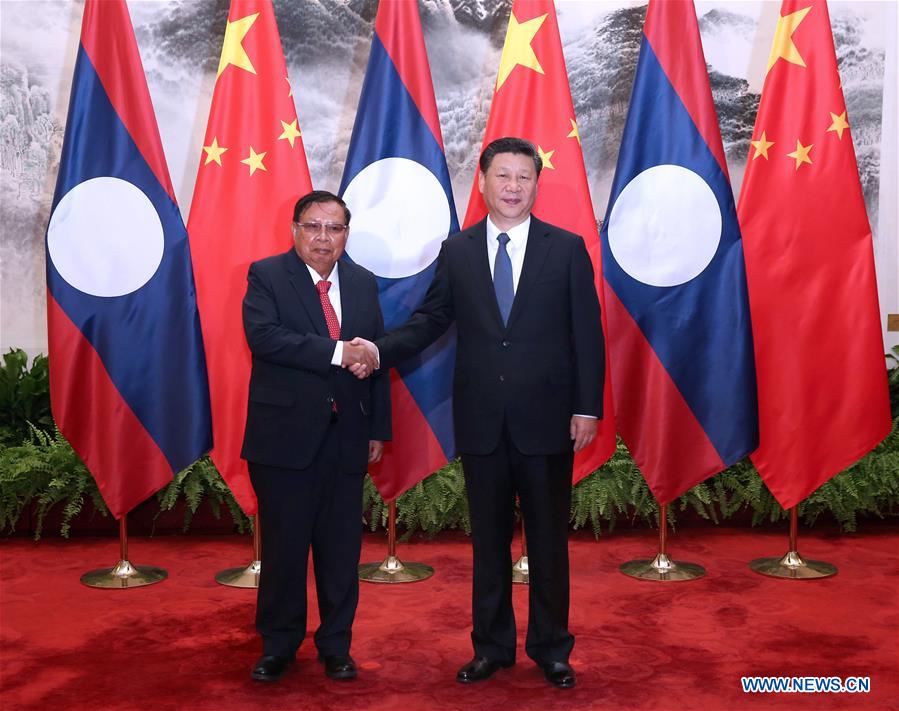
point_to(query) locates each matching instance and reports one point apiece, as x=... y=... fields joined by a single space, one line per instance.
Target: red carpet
x=188 y=643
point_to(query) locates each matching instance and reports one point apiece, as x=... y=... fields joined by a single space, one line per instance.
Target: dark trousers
x=318 y=507
x=543 y=486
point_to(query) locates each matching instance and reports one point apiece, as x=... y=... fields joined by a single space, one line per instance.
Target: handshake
x=361 y=357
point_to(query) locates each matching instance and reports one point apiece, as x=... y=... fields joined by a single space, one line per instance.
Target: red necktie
x=330 y=316
x=330 y=313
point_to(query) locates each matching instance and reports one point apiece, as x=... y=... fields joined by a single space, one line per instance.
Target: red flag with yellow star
x=532 y=100
x=252 y=170
x=823 y=398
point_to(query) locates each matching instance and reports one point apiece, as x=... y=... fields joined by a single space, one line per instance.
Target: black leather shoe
x=270 y=668
x=559 y=674
x=339 y=666
x=480 y=668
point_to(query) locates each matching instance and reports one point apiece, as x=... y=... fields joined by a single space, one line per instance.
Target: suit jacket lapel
x=301 y=280
x=539 y=244
x=480 y=270
x=349 y=302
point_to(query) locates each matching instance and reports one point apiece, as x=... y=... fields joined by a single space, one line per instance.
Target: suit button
x=329 y=400
x=505 y=344
x=502 y=378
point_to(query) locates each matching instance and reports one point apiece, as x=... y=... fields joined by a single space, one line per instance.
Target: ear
x=481 y=180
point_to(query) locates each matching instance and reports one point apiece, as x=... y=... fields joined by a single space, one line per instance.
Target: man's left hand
x=375 y=450
x=583 y=431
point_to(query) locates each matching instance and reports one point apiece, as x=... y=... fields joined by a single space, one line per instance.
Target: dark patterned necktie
x=502 y=278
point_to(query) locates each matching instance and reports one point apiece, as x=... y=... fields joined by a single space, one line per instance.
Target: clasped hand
x=361 y=357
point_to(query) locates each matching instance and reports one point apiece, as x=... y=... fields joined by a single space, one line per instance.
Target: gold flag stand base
x=240 y=577
x=247 y=577
x=662 y=568
x=123 y=574
x=793 y=566
x=520 y=567
x=392 y=569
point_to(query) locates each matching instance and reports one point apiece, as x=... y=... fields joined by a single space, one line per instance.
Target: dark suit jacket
x=547 y=364
x=293 y=384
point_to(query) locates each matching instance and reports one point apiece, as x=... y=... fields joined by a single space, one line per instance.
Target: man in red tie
x=312 y=429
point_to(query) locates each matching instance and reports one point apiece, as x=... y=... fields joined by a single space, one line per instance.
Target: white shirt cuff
x=337 y=358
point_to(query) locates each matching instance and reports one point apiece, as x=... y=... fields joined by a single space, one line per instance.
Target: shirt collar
x=333 y=277
x=518 y=235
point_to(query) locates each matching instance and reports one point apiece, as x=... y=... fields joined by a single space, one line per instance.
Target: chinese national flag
x=252 y=170
x=823 y=398
x=532 y=100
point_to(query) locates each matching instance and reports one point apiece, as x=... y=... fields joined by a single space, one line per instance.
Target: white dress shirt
x=518 y=242
x=334 y=298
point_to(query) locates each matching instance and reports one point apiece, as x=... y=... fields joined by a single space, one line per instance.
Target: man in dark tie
x=527 y=394
x=312 y=429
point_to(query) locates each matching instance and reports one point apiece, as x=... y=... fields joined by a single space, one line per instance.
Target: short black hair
x=510 y=144
x=317 y=197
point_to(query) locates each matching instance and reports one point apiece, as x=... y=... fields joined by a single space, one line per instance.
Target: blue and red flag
x=683 y=372
x=127 y=369
x=398 y=189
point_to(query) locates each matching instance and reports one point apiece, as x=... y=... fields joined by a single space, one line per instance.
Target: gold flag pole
x=662 y=567
x=246 y=577
x=520 y=568
x=392 y=569
x=792 y=565
x=123 y=574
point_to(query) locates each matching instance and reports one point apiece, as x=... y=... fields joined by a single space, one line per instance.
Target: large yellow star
x=574 y=132
x=214 y=152
x=839 y=124
x=232 y=49
x=783 y=47
x=546 y=157
x=761 y=146
x=800 y=155
x=254 y=160
x=517 y=48
x=291 y=132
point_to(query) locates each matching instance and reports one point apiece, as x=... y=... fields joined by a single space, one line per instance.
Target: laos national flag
x=683 y=373
x=398 y=189
x=127 y=370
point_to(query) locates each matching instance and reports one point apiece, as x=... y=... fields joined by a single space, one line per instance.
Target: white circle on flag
x=400 y=217
x=105 y=237
x=665 y=226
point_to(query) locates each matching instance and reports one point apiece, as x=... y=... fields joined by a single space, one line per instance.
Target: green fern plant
x=46 y=471
x=201 y=482
x=434 y=504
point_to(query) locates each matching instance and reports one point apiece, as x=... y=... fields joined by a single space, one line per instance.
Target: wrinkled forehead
x=324 y=211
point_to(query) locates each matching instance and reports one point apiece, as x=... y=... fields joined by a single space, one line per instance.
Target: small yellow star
x=546 y=157
x=574 y=132
x=232 y=49
x=761 y=146
x=839 y=124
x=291 y=132
x=214 y=152
x=800 y=155
x=254 y=160
x=289 y=87
x=783 y=47
x=517 y=48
